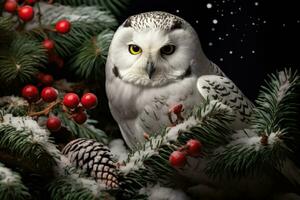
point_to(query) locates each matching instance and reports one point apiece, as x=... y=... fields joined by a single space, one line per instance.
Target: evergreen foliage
x=27 y=148
x=69 y=188
x=11 y=186
x=274 y=131
x=6 y=32
x=88 y=61
x=22 y=61
x=117 y=7
x=86 y=130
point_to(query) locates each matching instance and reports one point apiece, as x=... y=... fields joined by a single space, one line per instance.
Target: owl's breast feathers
x=145 y=110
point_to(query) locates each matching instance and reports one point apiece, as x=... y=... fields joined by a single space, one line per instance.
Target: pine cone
x=94 y=158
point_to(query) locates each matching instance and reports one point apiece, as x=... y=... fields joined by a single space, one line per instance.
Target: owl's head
x=154 y=49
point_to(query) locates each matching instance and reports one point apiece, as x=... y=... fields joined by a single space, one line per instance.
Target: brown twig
x=46 y=111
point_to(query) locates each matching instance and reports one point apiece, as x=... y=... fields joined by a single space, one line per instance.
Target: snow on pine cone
x=94 y=158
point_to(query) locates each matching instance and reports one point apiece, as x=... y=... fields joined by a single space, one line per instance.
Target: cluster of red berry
x=76 y=106
x=62 y=26
x=76 y=109
x=26 y=13
x=191 y=148
x=70 y=103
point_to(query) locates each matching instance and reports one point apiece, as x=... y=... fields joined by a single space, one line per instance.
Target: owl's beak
x=150 y=69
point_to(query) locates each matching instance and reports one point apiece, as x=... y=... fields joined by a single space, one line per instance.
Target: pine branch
x=275 y=131
x=247 y=156
x=15 y=105
x=149 y=163
x=22 y=137
x=23 y=59
x=6 y=32
x=11 y=186
x=84 y=14
x=117 y=7
x=213 y=128
x=278 y=104
x=69 y=187
x=86 y=130
x=86 y=23
x=89 y=61
x=278 y=109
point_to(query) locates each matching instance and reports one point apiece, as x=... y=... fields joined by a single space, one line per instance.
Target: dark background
x=251 y=38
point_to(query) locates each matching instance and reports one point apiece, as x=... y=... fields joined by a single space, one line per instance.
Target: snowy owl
x=156 y=63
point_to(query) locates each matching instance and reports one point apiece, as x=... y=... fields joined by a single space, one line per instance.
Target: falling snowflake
x=209 y=5
x=210 y=44
x=256 y=3
x=215 y=21
x=230 y=52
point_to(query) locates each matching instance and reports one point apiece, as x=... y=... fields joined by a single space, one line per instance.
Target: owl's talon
x=170 y=119
x=146 y=136
x=177 y=110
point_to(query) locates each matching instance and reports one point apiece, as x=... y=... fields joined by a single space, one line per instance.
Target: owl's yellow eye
x=134 y=49
x=168 y=49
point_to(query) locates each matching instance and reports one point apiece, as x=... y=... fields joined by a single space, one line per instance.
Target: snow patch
x=38 y=134
x=273 y=138
x=118 y=149
x=92 y=185
x=136 y=160
x=173 y=132
x=157 y=192
x=7 y=176
x=284 y=86
x=13 y=101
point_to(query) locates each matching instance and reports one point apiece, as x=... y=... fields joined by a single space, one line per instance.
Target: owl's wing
x=221 y=88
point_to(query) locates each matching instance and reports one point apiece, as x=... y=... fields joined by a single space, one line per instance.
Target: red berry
x=10 y=6
x=49 y=94
x=80 y=117
x=71 y=100
x=177 y=159
x=30 y=1
x=40 y=76
x=89 y=101
x=47 y=79
x=177 y=109
x=26 y=13
x=30 y=92
x=53 y=123
x=194 y=147
x=63 y=26
x=48 y=44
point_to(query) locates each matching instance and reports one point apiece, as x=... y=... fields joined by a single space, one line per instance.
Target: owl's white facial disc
x=154 y=49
